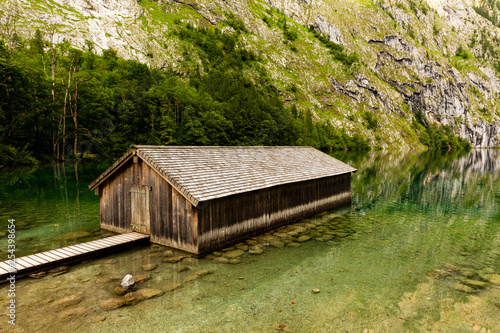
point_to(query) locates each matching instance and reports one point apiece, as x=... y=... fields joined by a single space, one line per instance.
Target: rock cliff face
x=434 y=56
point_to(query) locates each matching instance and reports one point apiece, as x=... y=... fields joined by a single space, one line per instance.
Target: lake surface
x=418 y=251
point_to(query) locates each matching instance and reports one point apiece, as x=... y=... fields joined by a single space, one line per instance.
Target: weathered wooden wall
x=227 y=220
x=211 y=225
x=173 y=222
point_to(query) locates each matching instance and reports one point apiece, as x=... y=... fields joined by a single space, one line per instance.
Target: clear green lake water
x=418 y=251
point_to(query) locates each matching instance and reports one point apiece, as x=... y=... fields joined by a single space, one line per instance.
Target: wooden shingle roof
x=206 y=173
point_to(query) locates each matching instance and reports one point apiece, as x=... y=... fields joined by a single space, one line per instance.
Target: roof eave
x=115 y=166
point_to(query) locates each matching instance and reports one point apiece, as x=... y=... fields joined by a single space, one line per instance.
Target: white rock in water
x=316 y=291
x=127 y=281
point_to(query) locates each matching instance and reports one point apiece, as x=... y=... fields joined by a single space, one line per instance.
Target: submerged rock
x=303 y=239
x=221 y=260
x=463 y=288
x=181 y=269
x=68 y=301
x=233 y=254
x=107 y=279
x=168 y=253
x=234 y=261
x=77 y=312
x=474 y=284
x=141 y=278
x=277 y=244
x=150 y=293
x=122 y=291
x=59 y=270
x=149 y=267
x=203 y=272
x=492 y=278
x=316 y=291
x=171 y=286
x=173 y=259
x=243 y=247
x=38 y=275
x=133 y=298
x=112 y=303
x=255 y=250
x=293 y=244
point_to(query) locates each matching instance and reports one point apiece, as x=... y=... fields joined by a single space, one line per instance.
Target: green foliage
x=463 y=53
x=437 y=137
x=435 y=29
x=267 y=21
x=123 y=102
x=16 y=156
x=419 y=5
x=336 y=50
x=236 y=23
x=371 y=120
x=485 y=12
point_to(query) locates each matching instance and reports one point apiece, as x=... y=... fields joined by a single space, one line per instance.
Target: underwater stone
x=173 y=259
x=493 y=278
x=37 y=275
x=221 y=260
x=112 y=303
x=149 y=293
x=142 y=277
x=133 y=298
x=255 y=250
x=149 y=267
x=463 y=288
x=474 y=284
x=171 y=287
x=293 y=244
x=278 y=244
x=181 y=269
x=107 y=279
x=233 y=254
x=168 y=253
x=303 y=239
x=316 y=291
x=68 y=300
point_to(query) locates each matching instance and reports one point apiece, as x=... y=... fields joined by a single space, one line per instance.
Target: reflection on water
x=418 y=251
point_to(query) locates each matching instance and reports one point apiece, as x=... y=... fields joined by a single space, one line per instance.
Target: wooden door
x=139 y=195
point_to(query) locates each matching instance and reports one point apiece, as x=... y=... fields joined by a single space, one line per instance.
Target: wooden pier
x=67 y=255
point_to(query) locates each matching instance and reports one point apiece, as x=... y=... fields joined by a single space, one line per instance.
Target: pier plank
x=41 y=256
x=6 y=267
x=25 y=263
x=73 y=253
x=59 y=254
x=17 y=264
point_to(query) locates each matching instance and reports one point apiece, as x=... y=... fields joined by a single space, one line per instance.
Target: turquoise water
x=418 y=251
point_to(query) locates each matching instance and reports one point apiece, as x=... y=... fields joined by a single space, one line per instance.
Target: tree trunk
x=75 y=119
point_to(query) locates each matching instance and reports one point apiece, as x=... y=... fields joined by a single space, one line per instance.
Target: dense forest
x=58 y=102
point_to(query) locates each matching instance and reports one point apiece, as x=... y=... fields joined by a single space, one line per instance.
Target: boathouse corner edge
x=200 y=199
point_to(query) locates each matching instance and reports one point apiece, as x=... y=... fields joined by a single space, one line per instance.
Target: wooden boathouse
x=200 y=199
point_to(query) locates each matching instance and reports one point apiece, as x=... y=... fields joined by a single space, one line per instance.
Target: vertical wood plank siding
x=228 y=220
x=216 y=223
x=172 y=218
